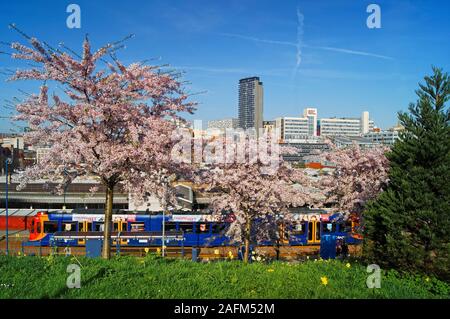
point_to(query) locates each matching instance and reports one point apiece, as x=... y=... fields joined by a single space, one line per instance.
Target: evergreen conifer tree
x=408 y=226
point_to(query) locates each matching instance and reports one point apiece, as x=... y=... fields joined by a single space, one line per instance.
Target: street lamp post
x=163 y=250
x=7 y=161
x=167 y=180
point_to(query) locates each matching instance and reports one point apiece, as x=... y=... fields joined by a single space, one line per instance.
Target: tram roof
x=19 y=212
x=32 y=212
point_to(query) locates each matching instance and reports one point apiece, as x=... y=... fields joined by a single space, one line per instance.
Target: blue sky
x=345 y=67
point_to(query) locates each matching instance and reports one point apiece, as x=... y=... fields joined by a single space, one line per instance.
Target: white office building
x=347 y=141
x=297 y=128
x=292 y=128
x=311 y=115
x=16 y=142
x=41 y=151
x=365 y=123
x=346 y=126
x=387 y=137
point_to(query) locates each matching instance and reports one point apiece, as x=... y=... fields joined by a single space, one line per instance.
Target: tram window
x=218 y=228
x=81 y=226
x=186 y=227
x=124 y=226
x=69 y=226
x=38 y=228
x=202 y=228
x=345 y=227
x=32 y=226
x=310 y=230
x=137 y=227
x=99 y=227
x=89 y=226
x=50 y=227
x=116 y=226
x=317 y=231
x=328 y=227
x=170 y=226
x=299 y=228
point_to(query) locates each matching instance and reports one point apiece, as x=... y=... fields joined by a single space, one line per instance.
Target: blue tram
x=196 y=229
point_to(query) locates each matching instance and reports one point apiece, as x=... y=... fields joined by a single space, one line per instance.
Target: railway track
x=204 y=253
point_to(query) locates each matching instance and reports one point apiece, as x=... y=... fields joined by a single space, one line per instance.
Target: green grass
x=152 y=277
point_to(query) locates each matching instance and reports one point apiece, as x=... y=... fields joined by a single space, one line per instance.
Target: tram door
x=284 y=234
x=82 y=227
x=123 y=228
x=313 y=231
x=202 y=230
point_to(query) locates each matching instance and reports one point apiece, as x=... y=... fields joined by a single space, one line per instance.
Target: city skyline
x=308 y=54
x=225 y=155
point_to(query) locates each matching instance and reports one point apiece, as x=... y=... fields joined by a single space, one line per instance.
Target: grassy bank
x=151 y=277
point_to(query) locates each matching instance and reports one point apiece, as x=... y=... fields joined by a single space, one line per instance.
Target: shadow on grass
x=101 y=273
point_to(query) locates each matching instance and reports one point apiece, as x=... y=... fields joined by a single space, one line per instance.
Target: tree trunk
x=277 y=249
x=248 y=226
x=106 y=253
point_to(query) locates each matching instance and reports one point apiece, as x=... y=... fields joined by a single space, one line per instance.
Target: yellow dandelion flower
x=324 y=281
x=427 y=279
x=216 y=252
x=347 y=265
x=270 y=270
x=146 y=250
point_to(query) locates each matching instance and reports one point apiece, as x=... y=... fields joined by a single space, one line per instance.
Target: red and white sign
x=101 y=218
x=307 y=217
x=194 y=218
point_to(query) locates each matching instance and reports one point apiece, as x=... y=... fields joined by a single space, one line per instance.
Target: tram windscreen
x=329 y=228
x=50 y=227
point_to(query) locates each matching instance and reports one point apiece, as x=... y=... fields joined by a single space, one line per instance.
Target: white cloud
x=302 y=44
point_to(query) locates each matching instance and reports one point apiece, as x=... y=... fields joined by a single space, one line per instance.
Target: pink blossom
x=360 y=175
x=114 y=123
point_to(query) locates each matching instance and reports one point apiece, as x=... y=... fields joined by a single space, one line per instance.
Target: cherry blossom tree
x=111 y=121
x=243 y=180
x=360 y=175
